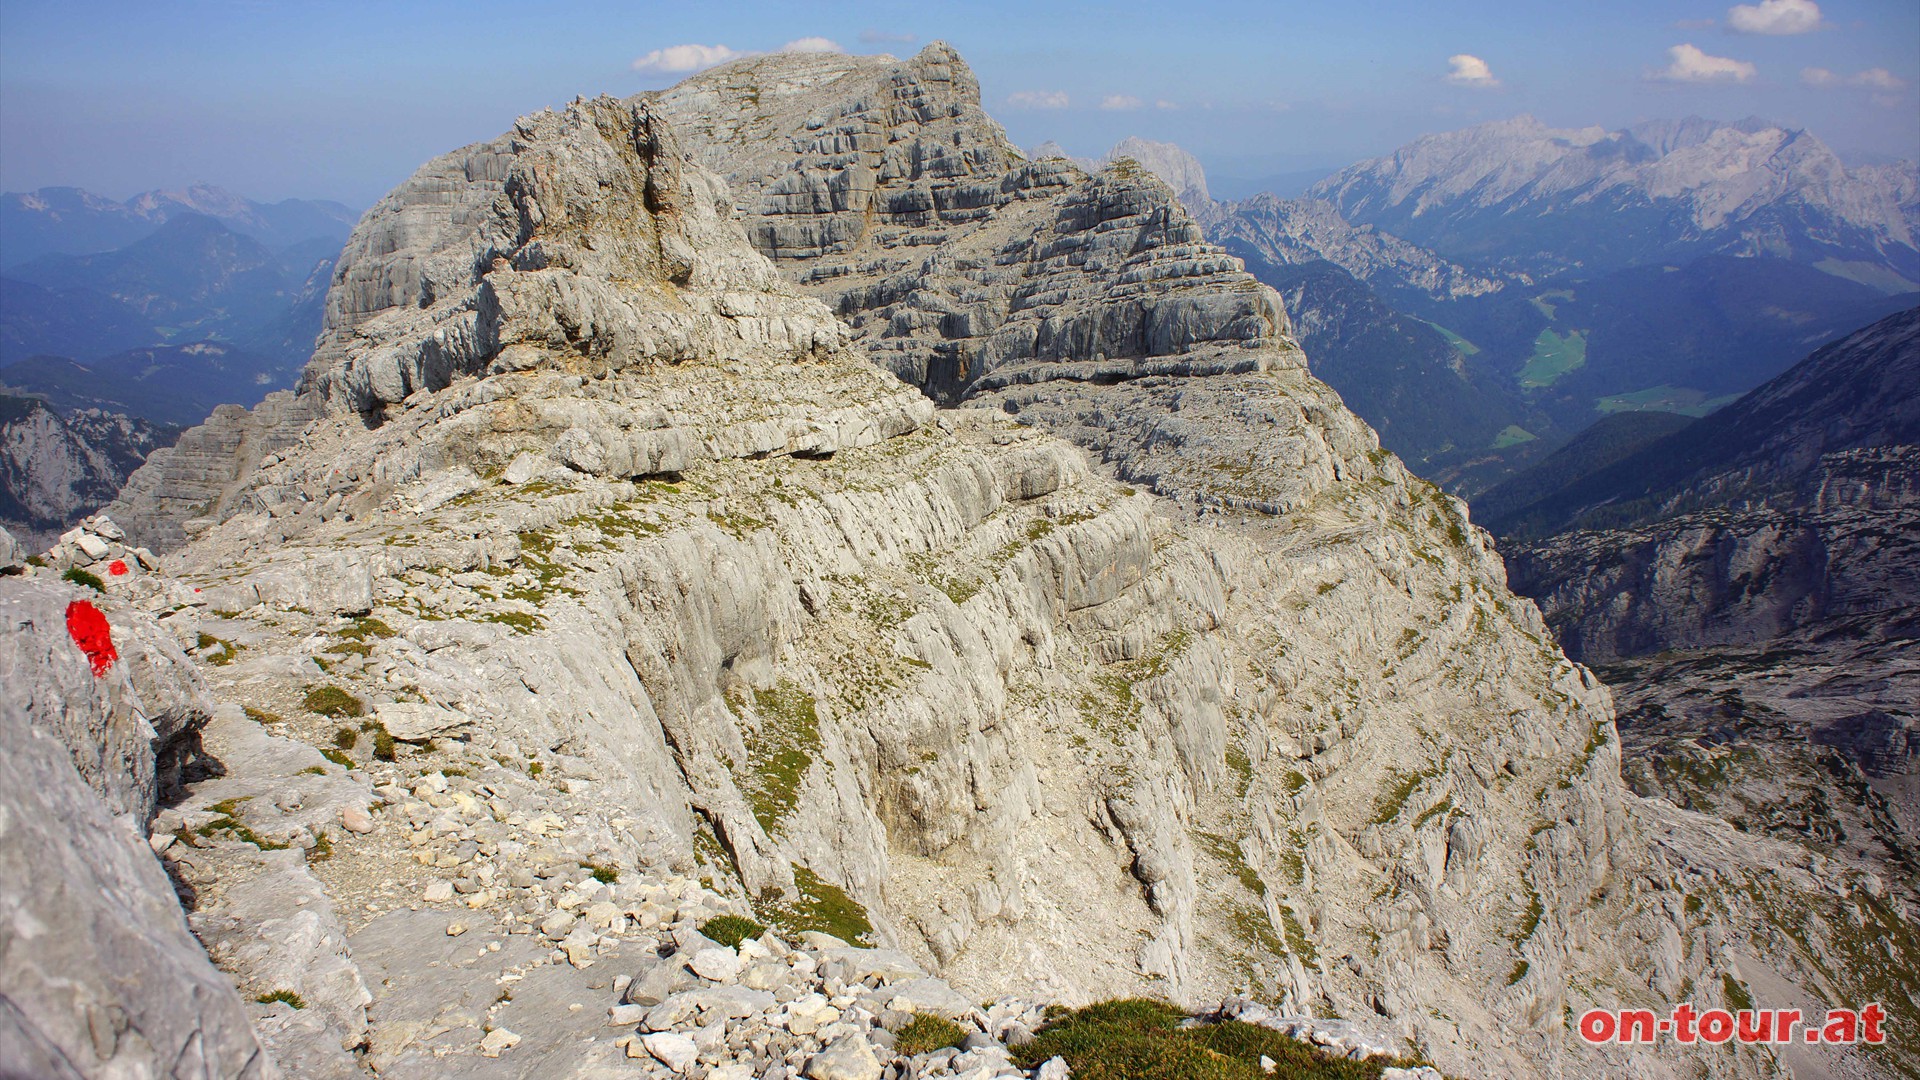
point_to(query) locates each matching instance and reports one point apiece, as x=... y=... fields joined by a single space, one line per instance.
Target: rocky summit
x=758 y=572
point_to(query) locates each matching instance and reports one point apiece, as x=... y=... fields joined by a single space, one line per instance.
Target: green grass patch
x=216 y=651
x=520 y=621
x=262 y=716
x=333 y=701
x=287 y=997
x=81 y=577
x=1548 y=303
x=338 y=758
x=365 y=627
x=731 y=930
x=1554 y=356
x=780 y=749
x=1663 y=398
x=384 y=747
x=1735 y=993
x=227 y=823
x=1399 y=790
x=820 y=906
x=1138 y=1039
x=1460 y=345
x=1512 y=435
x=602 y=873
x=926 y=1033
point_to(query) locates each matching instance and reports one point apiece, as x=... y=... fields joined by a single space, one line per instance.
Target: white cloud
x=675 y=59
x=1120 y=102
x=1872 y=79
x=1691 y=65
x=1470 y=71
x=811 y=45
x=886 y=37
x=681 y=59
x=1163 y=103
x=1775 y=17
x=1038 y=99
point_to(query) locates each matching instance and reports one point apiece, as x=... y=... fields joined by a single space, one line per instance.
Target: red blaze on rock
x=117 y=567
x=90 y=631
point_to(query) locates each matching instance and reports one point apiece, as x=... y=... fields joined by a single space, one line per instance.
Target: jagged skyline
x=342 y=101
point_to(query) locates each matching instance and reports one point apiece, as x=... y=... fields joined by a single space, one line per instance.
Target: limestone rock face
x=959 y=264
x=184 y=487
x=504 y=255
x=99 y=975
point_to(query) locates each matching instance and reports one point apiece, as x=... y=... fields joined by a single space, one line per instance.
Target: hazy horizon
x=343 y=102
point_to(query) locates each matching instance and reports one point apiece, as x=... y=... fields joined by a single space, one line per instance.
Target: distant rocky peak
x=582 y=240
x=1180 y=169
x=198 y=198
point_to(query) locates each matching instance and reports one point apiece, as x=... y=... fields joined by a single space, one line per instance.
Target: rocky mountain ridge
x=1207 y=696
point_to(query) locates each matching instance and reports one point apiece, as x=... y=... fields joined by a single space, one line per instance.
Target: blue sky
x=343 y=99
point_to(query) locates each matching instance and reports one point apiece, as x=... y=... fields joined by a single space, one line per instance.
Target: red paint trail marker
x=117 y=568
x=90 y=631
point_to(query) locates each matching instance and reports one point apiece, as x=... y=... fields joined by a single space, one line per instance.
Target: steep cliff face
x=591 y=486
x=55 y=467
x=1755 y=612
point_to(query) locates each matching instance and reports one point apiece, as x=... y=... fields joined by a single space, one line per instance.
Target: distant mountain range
x=122 y=322
x=164 y=384
x=1524 y=197
x=228 y=289
x=71 y=221
x=1482 y=296
x=56 y=466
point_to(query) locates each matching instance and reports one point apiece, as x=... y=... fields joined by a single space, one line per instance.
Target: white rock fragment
x=355 y=818
x=720 y=965
x=672 y=1049
x=498 y=1041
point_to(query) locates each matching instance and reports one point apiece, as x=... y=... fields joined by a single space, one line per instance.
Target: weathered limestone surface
x=99 y=975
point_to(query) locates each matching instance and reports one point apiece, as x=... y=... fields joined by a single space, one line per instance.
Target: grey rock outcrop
x=99 y=975
x=183 y=487
x=1175 y=167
